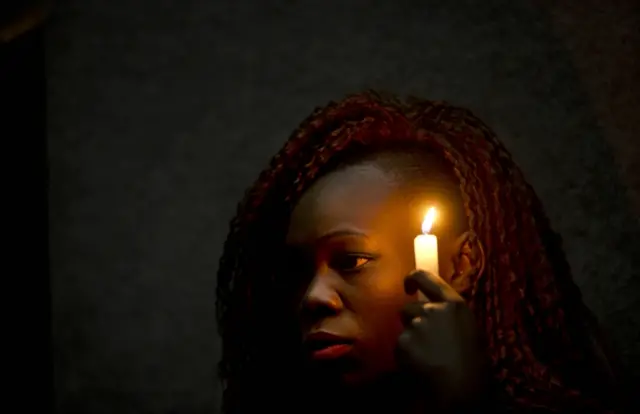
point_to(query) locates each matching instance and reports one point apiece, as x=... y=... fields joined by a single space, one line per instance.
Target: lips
x=324 y=345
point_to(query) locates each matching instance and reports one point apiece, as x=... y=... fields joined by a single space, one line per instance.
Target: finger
x=409 y=352
x=402 y=351
x=414 y=310
x=433 y=287
x=407 y=345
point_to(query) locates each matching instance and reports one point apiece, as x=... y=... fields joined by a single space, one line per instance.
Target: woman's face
x=351 y=240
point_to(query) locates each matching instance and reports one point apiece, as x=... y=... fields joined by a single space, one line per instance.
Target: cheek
x=382 y=318
x=382 y=297
x=381 y=324
x=384 y=288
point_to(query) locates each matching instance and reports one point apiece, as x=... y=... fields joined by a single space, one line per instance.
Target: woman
x=319 y=304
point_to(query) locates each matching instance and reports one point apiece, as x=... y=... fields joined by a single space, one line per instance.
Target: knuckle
x=404 y=340
x=418 y=273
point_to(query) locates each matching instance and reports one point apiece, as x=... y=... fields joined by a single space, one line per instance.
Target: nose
x=322 y=298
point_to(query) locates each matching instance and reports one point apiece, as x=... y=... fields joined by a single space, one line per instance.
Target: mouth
x=324 y=345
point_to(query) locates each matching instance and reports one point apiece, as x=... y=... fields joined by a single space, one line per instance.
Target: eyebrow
x=342 y=233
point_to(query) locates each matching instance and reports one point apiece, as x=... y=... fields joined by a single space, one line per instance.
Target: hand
x=440 y=341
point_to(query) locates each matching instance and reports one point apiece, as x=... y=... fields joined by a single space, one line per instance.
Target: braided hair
x=525 y=301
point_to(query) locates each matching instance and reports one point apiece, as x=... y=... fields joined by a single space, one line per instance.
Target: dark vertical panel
x=26 y=288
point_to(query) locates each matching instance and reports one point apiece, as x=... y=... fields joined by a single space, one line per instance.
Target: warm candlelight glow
x=427 y=223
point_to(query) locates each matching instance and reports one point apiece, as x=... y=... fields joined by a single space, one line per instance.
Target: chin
x=360 y=377
x=343 y=373
x=354 y=379
x=352 y=371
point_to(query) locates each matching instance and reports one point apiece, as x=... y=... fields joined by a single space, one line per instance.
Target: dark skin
x=415 y=343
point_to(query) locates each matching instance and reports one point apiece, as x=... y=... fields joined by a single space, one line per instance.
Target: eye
x=349 y=262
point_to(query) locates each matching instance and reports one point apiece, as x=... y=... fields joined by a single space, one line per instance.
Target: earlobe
x=468 y=262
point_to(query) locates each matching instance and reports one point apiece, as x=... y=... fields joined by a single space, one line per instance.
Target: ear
x=468 y=262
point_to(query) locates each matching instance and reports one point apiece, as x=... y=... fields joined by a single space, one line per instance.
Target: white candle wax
x=425 y=246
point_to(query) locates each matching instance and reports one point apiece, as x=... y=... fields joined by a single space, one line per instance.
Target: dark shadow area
x=26 y=276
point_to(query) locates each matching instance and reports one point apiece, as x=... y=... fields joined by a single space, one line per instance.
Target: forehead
x=365 y=197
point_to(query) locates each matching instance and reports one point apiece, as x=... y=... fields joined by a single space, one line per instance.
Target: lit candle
x=425 y=246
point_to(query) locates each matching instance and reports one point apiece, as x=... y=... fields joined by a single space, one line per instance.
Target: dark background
x=160 y=113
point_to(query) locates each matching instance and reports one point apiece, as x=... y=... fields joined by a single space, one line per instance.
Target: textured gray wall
x=161 y=113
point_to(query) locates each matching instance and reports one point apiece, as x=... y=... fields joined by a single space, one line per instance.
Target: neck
x=393 y=393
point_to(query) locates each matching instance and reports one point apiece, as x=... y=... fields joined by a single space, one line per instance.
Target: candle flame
x=427 y=223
